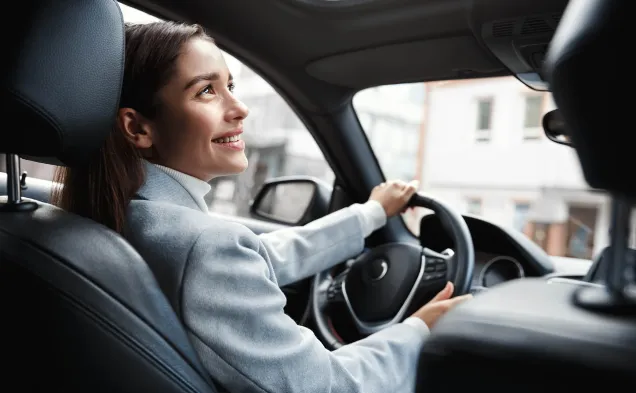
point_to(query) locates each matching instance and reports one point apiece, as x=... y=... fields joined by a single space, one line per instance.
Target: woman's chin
x=233 y=166
x=237 y=166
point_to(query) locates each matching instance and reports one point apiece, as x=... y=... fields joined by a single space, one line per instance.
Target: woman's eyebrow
x=211 y=76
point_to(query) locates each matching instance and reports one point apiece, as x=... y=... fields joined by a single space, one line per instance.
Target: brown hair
x=102 y=189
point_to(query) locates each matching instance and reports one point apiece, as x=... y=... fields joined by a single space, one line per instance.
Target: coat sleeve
x=300 y=252
x=233 y=311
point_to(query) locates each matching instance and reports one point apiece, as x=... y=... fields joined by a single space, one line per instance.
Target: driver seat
x=80 y=309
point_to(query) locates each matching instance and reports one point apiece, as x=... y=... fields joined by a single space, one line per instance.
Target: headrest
x=587 y=70
x=62 y=79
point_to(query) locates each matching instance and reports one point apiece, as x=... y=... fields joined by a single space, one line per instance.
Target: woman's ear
x=136 y=128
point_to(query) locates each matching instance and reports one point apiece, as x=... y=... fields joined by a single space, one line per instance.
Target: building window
x=520 y=217
x=532 y=117
x=484 y=119
x=580 y=231
x=473 y=206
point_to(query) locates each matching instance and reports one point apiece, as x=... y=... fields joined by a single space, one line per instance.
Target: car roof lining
x=338 y=50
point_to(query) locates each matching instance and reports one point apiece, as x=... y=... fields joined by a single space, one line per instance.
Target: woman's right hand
x=440 y=305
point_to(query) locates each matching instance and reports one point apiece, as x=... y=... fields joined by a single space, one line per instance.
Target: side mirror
x=555 y=129
x=292 y=200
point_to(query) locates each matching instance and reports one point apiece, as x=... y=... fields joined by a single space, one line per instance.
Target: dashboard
x=493 y=269
x=501 y=254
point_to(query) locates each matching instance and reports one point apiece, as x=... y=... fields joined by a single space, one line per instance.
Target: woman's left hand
x=394 y=195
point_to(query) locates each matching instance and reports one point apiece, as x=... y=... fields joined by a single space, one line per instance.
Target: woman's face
x=198 y=127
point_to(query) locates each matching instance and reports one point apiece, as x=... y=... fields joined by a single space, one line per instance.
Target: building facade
x=486 y=153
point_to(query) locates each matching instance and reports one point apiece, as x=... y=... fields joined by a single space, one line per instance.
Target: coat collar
x=160 y=186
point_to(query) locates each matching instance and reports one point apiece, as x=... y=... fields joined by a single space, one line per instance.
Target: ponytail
x=103 y=188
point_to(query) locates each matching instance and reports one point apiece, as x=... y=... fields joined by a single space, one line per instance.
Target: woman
x=178 y=127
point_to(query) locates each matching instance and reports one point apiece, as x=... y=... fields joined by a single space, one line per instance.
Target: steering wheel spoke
x=435 y=266
x=334 y=292
x=329 y=291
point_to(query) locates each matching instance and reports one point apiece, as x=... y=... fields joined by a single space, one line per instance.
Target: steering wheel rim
x=459 y=262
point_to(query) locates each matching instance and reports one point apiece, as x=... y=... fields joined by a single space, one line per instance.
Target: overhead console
x=518 y=36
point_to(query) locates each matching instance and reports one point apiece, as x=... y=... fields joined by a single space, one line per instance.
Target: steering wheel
x=381 y=285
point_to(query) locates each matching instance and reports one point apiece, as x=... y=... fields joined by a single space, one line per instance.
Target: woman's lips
x=237 y=145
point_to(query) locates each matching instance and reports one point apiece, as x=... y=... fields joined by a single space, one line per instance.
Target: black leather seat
x=559 y=335
x=80 y=310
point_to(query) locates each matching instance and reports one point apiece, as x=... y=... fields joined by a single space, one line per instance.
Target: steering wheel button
x=430 y=268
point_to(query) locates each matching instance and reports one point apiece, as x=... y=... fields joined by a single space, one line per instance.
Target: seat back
x=587 y=66
x=80 y=309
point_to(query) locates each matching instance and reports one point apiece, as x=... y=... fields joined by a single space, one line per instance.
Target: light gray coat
x=223 y=281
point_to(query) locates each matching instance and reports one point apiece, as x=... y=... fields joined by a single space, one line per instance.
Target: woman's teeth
x=227 y=139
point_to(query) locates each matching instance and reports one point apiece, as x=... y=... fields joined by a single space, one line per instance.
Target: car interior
x=83 y=312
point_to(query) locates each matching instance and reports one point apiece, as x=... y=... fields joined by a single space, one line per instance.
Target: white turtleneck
x=371 y=215
x=196 y=187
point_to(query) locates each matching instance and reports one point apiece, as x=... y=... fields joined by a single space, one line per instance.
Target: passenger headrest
x=62 y=78
x=587 y=68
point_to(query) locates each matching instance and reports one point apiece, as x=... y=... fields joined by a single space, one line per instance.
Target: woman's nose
x=237 y=111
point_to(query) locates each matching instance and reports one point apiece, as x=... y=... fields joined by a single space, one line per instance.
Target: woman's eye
x=207 y=90
x=231 y=87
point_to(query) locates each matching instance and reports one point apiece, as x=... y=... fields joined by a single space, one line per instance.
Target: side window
x=32 y=168
x=277 y=142
x=392 y=118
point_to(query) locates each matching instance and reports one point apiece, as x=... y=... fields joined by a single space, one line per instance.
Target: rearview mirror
x=554 y=128
x=291 y=200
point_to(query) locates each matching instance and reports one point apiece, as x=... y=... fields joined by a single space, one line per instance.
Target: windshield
x=479 y=145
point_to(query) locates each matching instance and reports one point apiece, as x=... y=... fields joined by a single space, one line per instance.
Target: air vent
x=535 y=26
x=503 y=28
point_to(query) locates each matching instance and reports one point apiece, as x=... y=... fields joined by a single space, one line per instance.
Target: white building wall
x=507 y=169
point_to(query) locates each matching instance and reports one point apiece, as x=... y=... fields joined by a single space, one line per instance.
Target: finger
x=445 y=293
x=400 y=184
x=411 y=188
x=409 y=191
x=460 y=299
